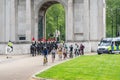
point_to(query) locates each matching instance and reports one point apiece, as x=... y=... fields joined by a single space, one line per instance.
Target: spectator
x=71 y=51
x=65 y=53
x=45 y=53
x=82 y=49
x=53 y=52
x=59 y=51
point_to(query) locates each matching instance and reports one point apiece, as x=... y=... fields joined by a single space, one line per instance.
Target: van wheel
x=110 y=52
x=99 y=53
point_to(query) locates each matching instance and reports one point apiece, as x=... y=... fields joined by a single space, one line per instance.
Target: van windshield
x=105 y=43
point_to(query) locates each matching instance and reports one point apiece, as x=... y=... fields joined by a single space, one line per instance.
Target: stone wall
x=17 y=49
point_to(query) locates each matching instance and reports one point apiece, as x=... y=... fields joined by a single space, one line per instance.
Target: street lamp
x=60 y=32
x=112 y=20
x=117 y=22
x=57 y=21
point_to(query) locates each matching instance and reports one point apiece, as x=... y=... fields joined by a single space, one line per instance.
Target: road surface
x=21 y=67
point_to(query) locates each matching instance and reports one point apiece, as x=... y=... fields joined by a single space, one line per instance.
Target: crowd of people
x=38 y=47
x=52 y=47
x=63 y=50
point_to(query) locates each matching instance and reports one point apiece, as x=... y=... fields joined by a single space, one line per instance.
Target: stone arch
x=39 y=5
x=41 y=9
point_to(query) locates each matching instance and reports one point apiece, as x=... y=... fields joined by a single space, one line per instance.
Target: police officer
x=10 y=44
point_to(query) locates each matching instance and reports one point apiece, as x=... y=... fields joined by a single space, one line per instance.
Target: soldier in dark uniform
x=33 y=49
x=38 y=48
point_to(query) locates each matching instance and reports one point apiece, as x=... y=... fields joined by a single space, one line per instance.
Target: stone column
x=36 y=26
x=101 y=19
x=7 y=20
x=2 y=20
x=104 y=17
x=69 y=29
x=79 y=20
x=94 y=20
x=10 y=20
x=86 y=27
x=13 y=20
x=29 y=26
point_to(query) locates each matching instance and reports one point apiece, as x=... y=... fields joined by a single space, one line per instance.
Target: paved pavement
x=22 y=67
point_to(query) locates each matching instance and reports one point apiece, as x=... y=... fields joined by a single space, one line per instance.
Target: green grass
x=96 y=67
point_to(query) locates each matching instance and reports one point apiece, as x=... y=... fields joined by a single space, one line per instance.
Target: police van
x=109 y=45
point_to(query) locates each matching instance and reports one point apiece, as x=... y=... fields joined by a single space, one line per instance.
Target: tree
x=112 y=17
x=55 y=19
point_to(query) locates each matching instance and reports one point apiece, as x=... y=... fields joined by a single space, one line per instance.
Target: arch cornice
x=40 y=4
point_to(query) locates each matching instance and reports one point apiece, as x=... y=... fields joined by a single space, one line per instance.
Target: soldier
x=33 y=49
x=38 y=48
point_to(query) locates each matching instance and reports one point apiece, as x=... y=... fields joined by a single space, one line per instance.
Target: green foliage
x=97 y=67
x=55 y=19
x=112 y=14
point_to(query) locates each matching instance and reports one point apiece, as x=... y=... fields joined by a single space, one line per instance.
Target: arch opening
x=44 y=29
